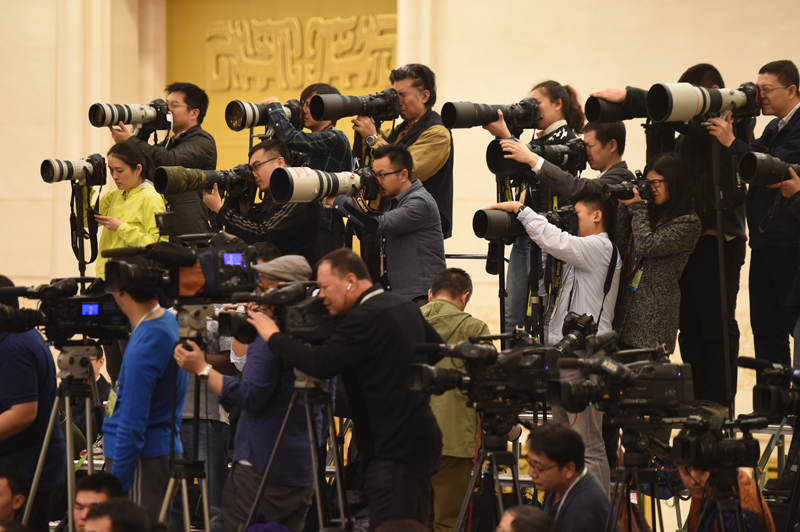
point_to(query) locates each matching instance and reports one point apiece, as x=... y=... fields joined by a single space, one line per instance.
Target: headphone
x=349 y=286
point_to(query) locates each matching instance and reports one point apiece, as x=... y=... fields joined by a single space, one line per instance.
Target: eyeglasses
x=763 y=91
x=656 y=183
x=258 y=164
x=537 y=469
x=175 y=105
x=381 y=175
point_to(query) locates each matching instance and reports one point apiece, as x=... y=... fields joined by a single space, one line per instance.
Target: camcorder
x=154 y=116
x=598 y=110
x=680 y=102
x=237 y=182
x=570 y=157
x=624 y=191
x=493 y=224
x=62 y=314
x=296 y=310
x=89 y=172
x=780 y=396
x=702 y=443
x=303 y=184
x=382 y=106
x=461 y=115
x=762 y=169
x=241 y=115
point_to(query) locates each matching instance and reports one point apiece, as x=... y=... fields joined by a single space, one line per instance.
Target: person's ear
x=430 y=295
x=464 y=298
x=792 y=91
x=612 y=145
x=425 y=96
x=17 y=501
x=404 y=174
x=195 y=113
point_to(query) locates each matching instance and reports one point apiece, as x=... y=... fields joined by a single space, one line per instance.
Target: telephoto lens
x=241 y=115
x=599 y=110
x=384 y=105
x=177 y=179
x=491 y=224
x=762 y=169
x=680 y=102
x=461 y=115
x=303 y=184
x=111 y=114
x=90 y=172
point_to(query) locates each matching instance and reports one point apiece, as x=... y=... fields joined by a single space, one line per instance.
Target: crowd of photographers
x=634 y=254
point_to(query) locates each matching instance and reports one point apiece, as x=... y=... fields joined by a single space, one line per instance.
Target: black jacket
x=565 y=184
x=194 y=148
x=372 y=349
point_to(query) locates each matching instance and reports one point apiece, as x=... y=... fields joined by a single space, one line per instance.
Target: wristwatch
x=204 y=374
x=371 y=140
x=521 y=208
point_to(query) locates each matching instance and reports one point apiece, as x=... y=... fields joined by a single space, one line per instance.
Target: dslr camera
x=155 y=116
x=241 y=115
x=624 y=191
x=237 y=182
x=382 y=106
x=89 y=172
x=493 y=224
x=570 y=157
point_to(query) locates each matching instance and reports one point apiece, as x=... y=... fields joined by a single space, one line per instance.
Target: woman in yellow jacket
x=128 y=213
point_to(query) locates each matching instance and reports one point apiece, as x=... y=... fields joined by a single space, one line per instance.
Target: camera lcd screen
x=90 y=309
x=232 y=259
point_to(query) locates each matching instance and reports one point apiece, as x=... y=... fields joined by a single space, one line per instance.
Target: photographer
x=263 y=393
x=422 y=133
x=588 y=259
x=325 y=148
x=562 y=118
x=399 y=442
x=773 y=235
x=410 y=231
x=190 y=147
x=291 y=227
x=657 y=239
x=139 y=413
x=754 y=507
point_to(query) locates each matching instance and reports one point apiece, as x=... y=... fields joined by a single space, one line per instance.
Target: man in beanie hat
x=263 y=393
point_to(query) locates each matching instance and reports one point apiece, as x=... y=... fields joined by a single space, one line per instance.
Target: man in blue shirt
x=139 y=414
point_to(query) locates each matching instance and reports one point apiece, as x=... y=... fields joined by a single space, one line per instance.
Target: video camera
x=296 y=310
x=303 y=184
x=493 y=224
x=177 y=180
x=680 y=102
x=521 y=115
x=778 y=398
x=241 y=115
x=384 y=105
x=762 y=169
x=156 y=115
x=624 y=191
x=90 y=172
x=702 y=443
x=570 y=157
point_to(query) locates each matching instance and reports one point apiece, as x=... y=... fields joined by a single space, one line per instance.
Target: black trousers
x=700 y=337
x=397 y=491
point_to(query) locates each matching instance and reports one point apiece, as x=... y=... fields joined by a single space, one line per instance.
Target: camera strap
x=612 y=266
x=82 y=194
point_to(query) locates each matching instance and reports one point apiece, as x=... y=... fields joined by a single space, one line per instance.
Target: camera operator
x=324 y=148
x=422 y=133
x=588 y=259
x=773 y=237
x=136 y=430
x=263 y=393
x=448 y=297
x=562 y=118
x=574 y=498
x=292 y=227
x=399 y=442
x=657 y=239
x=410 y=231
x=27 y=393
x=754 y=507
x=190 y=147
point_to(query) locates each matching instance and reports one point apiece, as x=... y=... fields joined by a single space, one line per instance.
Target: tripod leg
x=616 y=501
x=40 y=465
x=473 y=480
x=497 y=489
x=639 y=499
x=312 y=441
x=794 y=500
x=171 y=488
x=70 y=461
x=515 y=480
x=344 y=511
x=89 y=439
x=187 y=525
x=206 y=515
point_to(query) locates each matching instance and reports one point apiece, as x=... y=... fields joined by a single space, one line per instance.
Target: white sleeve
x=585 y=253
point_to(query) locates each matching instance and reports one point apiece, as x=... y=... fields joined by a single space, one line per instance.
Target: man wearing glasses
x=574 y=498
x=410 y=232
x=773 y=260
x=324 y=148
x=291 y=227
x=190 y=146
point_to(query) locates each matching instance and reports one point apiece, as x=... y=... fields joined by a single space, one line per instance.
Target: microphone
x=756 y=364
x=597 y=342
x=570 y=363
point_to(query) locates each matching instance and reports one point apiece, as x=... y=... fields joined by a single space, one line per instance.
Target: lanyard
x=149 y=312
x=373 y=294
x=564 y=498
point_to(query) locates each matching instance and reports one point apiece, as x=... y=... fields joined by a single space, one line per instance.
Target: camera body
x=241 y=115
x=702 y=443
x=90 y=172
x=624 y=191
x=570 y=157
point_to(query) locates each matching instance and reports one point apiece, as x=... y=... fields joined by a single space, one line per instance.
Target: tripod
x=722 y=503
x=312 y=392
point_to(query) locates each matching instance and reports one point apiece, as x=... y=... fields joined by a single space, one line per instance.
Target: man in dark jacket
x=190 y=147
x=398 y=438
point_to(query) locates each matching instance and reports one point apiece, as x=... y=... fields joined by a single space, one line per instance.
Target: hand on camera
x=328 y=202
x=611 y=95
x=192 y=360
x=364 y=126
x=120 y=135
x=265 y=326
x=109 y=222
x=722 y=129
x=634 y=199
x=498 y=128
x=212 y=199
x=508 y=206
x=518 y=150
x=790 y=186
x=271 y=99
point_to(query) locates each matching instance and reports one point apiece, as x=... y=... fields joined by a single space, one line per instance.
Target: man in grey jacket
x=410 y=231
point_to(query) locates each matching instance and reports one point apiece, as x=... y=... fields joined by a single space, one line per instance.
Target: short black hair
x=196 y=98
x=5 y=282
x=560 y=444
x=344 y=261
x=317 y=88
x=422 y=78
x=271 y=146
x=454 y=281
x=141 y=292
x=596 y=202
x=605 y=132
x=101 y=482
x=702 y=75
x=125 y=515
x=16 y=477
x=267 y=251
x=529 y=519
x=785 y=70
x=132 y=155
x=398 y=155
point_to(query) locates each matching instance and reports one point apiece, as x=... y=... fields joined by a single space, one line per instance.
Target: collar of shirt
x=414 y=186
x=785 y=119
x=366 y=293
x=552 y=127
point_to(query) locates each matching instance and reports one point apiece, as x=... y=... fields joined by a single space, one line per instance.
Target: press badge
x=112 y=403
x=637 y=278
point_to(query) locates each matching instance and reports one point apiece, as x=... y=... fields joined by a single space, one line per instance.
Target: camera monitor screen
x=232 y=259
x=90 y=309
